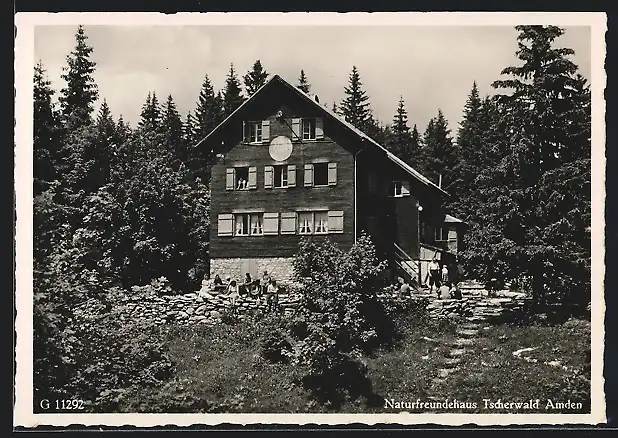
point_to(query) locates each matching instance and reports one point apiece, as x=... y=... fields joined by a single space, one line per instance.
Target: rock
x=201 y=309
x=215 y=314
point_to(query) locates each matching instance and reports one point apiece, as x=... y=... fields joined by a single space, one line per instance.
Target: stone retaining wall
x=208 y=307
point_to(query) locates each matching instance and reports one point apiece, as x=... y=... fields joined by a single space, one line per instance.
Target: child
x=444 y=274
x=233 y=294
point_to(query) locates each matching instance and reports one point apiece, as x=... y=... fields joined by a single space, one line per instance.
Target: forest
x=117 y=206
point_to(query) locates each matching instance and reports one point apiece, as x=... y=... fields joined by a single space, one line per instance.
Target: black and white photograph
x=302 y=216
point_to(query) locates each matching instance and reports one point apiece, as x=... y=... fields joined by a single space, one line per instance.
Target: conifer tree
x=232 y=96
x=255 y=78
x=399 y=138
x=171 y=125
x=78 y=97
x=303 y=83
x=439 y=154
x=150 y=116
x=47 y=131
x=537 y=198
x=208 y=110
x=105 y=148
x=355 y=106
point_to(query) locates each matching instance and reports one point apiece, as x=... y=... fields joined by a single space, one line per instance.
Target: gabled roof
x=403 y=165
x=452 y=220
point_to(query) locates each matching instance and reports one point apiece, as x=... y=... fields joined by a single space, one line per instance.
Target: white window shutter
x=229 y=179
x=252 y=184
x=271 y=223
x=291 y=175
x=288 y=223
x=265 y=131
x=308 y=175
x=335 y=221
x=405 y=188
x=332 y=174
x=268 y=177
x=225 y=225
x=319 y=128
x=296 y=129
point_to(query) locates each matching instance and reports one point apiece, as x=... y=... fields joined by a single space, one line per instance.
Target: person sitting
x=247 y=284
x=404 y=289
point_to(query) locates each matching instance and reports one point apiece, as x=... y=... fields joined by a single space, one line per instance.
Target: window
x=321 y=222
x=249 y=224
x=308 y=126
x=256 y=224
x=241 y=178
x=305 y=223
x=242 y=225
x=440 y=234
x=400 y=188
x=397 y=189
x=255 y=132
x=281 y=176
x=320 y=174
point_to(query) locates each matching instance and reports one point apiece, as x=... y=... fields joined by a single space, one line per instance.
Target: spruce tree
x=150 y=116
x=232 y=96
x=208 y=110
x=105 y=148
x=78 y=97
x=537 y=198
x=47 y=131
x=303 y=83
x=355 y=106
x=399 y=138
x=255 y=78
x=439 y=154
x=171 y=125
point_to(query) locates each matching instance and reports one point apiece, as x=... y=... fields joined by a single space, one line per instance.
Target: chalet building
x=288 y=167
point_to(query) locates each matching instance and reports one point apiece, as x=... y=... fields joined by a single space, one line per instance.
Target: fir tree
x=47 y=141
x=538 y=230
x=171 y=125
x=255 y=78
x=439 y=154
x=399 y=138
x=78 y=97
x=208 y=110
x=355 y=106
x=150 y=116
x=232 y=96
x=303 y=83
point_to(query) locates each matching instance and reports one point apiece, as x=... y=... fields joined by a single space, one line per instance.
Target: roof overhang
x=402 y=164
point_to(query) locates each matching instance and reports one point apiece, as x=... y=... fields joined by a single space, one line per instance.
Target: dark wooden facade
x=364 y=190
x=336 y=146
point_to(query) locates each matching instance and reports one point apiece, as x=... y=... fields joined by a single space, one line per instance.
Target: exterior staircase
x=407 y=266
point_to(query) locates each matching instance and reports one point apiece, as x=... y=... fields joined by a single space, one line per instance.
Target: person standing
x=233 y=294
x=272 y=296
x=434 y=276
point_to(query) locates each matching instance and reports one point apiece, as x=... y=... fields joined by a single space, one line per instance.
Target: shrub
x=341 y=317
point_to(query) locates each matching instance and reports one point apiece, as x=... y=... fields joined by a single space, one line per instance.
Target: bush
x=341 y=317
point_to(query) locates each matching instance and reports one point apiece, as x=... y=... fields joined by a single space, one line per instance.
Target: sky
x=431 y=67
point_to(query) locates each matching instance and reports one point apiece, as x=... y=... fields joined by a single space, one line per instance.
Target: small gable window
x=308 y=129
x=400 y=188
x=255 y=132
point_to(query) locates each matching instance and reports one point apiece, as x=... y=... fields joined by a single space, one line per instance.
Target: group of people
x=242 y=184
x=444 y=277
x=255 y=288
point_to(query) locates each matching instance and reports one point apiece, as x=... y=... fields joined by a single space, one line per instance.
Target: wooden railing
x=407 y=264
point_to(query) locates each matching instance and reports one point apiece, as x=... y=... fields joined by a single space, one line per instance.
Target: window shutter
x=252 y=184
x=268 y=177
x=271 y=223
x=308 y=175
x=332 y=174
x=288 y=223
x=225 y=225
x=405 y=188
x=229 y=179
x=296 y=129
x=335 y=221
x=319 y=128
x=265 y=131
x=291 y=175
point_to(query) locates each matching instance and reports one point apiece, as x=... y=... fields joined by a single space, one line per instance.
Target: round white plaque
x=280 y=148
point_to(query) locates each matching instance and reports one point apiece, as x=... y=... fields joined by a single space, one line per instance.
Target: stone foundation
x=279 y=268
